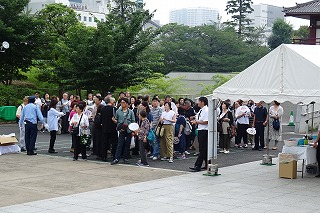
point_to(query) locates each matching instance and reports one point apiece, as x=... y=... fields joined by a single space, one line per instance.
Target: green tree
x=23 y=33
x=239 y=10
x=218 y=80
x=204 y=49
x=110 y=56
x=281 y=34
x=159 y=84
x=57 y=19
x=302 y=32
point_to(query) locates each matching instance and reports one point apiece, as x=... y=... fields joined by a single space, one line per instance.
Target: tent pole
x=212 y=159
x=267 y=159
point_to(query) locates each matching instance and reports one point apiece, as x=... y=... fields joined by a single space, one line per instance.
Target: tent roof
x=290 y=72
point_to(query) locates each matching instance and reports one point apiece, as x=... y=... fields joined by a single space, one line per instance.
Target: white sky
x=164 y=6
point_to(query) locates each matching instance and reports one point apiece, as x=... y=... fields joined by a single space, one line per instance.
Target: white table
x=305 y=153
x=9 y=149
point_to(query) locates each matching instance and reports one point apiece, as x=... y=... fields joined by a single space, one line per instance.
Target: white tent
x=288 y=73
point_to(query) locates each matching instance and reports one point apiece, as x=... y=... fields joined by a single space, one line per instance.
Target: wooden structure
x=310 y=11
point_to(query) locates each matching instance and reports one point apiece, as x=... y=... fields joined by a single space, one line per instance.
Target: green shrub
x=12 y=95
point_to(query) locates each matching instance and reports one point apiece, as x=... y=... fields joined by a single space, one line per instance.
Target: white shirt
x=38 y=102
x=52 y=119
x=202 y=115
x=84 y=121
x=174 y=108
x=168 y=115
x=243 y=119
x=20 y=109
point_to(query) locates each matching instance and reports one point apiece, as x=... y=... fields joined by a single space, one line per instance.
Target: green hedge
x=13 y=95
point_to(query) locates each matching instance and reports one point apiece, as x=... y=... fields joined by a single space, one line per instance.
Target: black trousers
x=79 y=147
x=242 y=133
x=143 y=156
x=31 y=132
x=65 y=123
x=53 y=137
x=108 y=139
x=259 y=136
x=123 y=141
x=203 y=148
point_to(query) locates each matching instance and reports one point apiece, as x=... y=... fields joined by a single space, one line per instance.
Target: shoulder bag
x=123 y=126
x=75 y=129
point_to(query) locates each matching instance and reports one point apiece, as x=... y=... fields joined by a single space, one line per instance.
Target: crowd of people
x=166 y=128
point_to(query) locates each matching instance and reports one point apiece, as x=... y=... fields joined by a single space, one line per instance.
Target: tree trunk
x=240 y=19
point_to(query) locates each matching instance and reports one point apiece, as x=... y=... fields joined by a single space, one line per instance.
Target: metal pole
x=312 y=117
x=212 y=160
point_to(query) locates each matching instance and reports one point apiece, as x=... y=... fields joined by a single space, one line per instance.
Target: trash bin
x=8 y=113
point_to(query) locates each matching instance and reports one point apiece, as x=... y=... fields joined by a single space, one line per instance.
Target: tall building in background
x=194 y=16
x=87 y=10
x=264 y=15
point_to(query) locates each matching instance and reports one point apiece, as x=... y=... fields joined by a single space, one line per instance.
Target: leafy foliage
x=57 y=19
x=218 y=80
x=23 y=33
x=239 y=9
x=204 y=49
x=281 y=34
x=12 y=95
x=158 y=84
x=110 y=56
x=302 y=32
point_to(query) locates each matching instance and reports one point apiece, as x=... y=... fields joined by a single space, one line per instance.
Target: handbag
x=75 y=129
x=151 y=135
x=123 y=126
x=219 y=124
x=160 y=130
x=276 y=124
x=176 y=140
x=229 y=130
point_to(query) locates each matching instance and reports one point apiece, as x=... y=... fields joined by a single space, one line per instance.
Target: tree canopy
x=239 y=10
x=23 y=33
x=281 y=34
x=204 y=49
x=111 y=55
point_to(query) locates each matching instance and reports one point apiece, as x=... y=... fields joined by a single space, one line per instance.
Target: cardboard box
x=288 y=170
x=8 y=140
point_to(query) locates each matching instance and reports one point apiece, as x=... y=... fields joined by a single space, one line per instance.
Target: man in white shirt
x=242 y=115
x=38 y=101
x=202 y=122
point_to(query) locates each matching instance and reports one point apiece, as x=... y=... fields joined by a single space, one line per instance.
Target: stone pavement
x=236 y=156
x=28 y=178
x=248 y=187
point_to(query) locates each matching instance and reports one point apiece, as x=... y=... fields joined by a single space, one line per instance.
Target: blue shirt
x=30 y=113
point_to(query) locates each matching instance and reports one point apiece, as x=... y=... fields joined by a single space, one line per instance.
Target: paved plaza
x=248 y=187
x=54 y=183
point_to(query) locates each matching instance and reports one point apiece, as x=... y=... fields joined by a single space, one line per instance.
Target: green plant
x=12 y=95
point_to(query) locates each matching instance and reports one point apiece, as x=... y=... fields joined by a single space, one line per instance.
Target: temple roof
x=303 y=10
